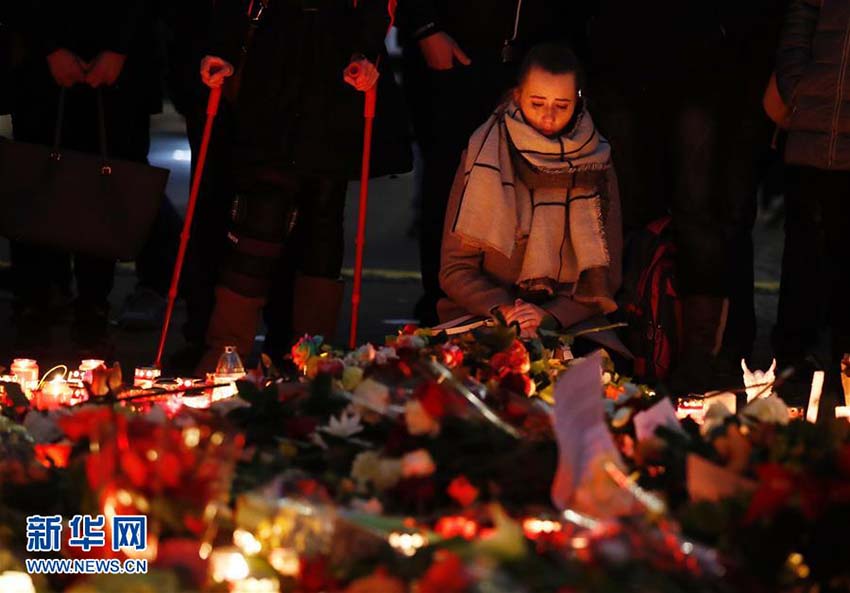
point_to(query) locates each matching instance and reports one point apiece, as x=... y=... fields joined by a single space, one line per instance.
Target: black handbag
x=75 y=201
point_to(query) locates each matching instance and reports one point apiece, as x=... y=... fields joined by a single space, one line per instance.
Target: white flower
x=769 y=410
x=715 y=416
x=373 y=396
x=607 y=378
x=385 y=354
x=347 y=425
x=362 y=356
x=368 y=467
x=417 y=464
x=412 y=342
x=418 y=420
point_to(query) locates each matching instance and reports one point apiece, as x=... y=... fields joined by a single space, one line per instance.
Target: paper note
x=580 y=429
x=661 y=414
x=710 y=482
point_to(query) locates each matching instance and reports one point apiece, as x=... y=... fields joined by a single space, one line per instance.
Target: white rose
x=417 y=464
x=418 y=420
x=769 y=410
x=373 y=396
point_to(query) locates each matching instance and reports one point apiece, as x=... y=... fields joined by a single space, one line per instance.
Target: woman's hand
x=214 y=70
x=66 y=67
x=528 y=316
x=361 y=74
x=105 y=69
x=440 y=52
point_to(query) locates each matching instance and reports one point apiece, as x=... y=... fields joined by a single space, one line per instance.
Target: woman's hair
x=556 y=58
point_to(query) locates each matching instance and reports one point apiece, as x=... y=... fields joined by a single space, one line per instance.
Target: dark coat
x=88 y=27
x=481 y=27
x=811 y=73
x=294 y=112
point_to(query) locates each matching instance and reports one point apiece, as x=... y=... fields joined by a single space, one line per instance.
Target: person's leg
x=795 y=334
x=461 y=99
x=835 y=209
x=208 y=246
x=702 y=243
x=263 y=217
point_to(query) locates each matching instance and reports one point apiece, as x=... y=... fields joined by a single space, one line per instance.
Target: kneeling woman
x=533 y=221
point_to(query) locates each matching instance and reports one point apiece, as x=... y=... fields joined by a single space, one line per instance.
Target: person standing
x=460 y=57
x=676 y=87
x=79 y=52
x=298 y=121
x=811 y=69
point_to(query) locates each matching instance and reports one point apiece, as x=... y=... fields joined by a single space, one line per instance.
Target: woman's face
x=547 y=100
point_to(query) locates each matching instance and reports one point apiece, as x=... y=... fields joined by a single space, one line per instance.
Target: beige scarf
x=521 y=184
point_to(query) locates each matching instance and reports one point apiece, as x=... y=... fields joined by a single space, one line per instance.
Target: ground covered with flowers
x=435 y=464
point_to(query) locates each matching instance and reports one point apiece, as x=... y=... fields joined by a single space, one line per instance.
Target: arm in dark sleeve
x=795 y=46
x=228 y=27
x=417 y=18
x=373 y=22
x=121 y=25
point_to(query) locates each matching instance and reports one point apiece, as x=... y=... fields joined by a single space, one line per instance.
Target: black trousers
x=696 y=161
x=446 y=107
x=208 y=246
x=128 y=137
x=284 y=224
x=817 y=209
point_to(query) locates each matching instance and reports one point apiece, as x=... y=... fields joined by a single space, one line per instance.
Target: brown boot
x=315 y=307
x=233 y=323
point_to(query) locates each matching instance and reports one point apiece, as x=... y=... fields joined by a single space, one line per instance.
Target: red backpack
x=650 y=301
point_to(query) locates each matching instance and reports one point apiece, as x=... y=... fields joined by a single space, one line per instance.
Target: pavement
x=391 y=276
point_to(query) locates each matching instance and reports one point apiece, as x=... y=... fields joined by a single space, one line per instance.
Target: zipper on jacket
x=833 y=139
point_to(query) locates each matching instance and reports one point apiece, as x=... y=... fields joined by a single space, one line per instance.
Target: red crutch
x=212 y=110
x=360 y=241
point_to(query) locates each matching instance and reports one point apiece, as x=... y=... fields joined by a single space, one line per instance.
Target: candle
x=842 y=412
x=252 y=585
x=26 y=372
x=17 y=582
x=814 y=396
x=228 y=564
x=144 y=377
x=54 y=393
x=87 y=366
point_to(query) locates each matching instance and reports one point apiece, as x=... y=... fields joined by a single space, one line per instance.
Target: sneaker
x=144 y=309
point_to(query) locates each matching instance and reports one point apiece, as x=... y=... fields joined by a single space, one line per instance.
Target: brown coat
x=476 y=280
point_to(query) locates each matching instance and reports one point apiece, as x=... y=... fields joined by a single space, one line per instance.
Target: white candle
x=814 y=397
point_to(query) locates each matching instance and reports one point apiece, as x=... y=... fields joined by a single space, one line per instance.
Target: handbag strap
x=56 y=153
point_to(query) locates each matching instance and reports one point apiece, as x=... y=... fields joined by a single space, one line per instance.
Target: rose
x=373 y=396
x=417 y=464
x=518 y=383
x=513 y=360
x=445 y=575
x=452 y=355
x=462 y=490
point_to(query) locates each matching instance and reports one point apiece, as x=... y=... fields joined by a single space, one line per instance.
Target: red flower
x=55 y=455
x=513 y=360
x=315 y=575
x=434 y=398
x=409 y=329
x=330 y=366
x=776 y=485
x=462 y=491
x=452 y=355
x=451 y=526
x=85 y=422
x=518 y=383
x=445 y=575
